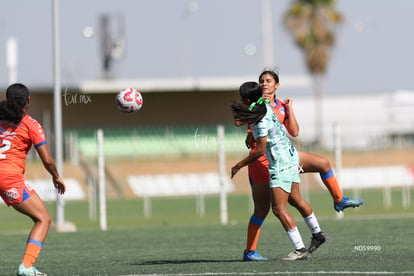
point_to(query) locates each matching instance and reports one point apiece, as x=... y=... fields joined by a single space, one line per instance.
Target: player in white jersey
x=283 y=160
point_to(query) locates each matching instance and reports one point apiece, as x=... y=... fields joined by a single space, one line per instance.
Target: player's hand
x=288 y=102
x=234 y=170
x=59 y=185
x=238 y=122
x=249 y=140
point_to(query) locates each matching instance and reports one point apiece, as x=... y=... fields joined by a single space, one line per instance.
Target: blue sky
x=373 y=53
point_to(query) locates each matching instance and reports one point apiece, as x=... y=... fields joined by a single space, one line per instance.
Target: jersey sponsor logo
x=282 y=111
x=12 y=194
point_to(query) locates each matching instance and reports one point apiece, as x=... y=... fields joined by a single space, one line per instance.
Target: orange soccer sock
x=331 y=183
x=33 y=248
x=253 y=232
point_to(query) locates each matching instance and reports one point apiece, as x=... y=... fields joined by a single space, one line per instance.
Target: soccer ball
x=129 y=100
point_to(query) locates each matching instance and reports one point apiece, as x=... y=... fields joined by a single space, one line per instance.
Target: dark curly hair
x=11 y=109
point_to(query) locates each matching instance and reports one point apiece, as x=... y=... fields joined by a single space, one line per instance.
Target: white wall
x=364 y=119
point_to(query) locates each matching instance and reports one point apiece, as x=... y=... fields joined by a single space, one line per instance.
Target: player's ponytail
x=11 y=109
x=253 y=109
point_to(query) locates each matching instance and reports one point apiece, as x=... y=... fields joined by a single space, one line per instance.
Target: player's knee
x=293 y=201
x=44 y=218
x=325 y=165
x=261 y=211
x=48 y=220
x=278 y=210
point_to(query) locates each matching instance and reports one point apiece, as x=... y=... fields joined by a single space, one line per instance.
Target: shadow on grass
x=162 y=262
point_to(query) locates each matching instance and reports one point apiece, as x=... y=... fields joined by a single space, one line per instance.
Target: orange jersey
x=280 y=112
x=16 y=141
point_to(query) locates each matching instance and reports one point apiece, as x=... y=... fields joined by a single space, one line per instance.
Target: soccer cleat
x=299 y=254
x=29 y=271
x=253 y=256
x=347 y=202
x=317 y=240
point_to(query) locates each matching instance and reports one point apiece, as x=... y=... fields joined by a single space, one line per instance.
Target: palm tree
x=312 y=24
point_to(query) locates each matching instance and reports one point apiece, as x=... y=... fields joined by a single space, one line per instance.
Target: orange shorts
x=258 y=173
x=14 y=189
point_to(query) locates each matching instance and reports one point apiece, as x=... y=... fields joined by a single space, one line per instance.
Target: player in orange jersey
x=18 y=132
x=259 y=174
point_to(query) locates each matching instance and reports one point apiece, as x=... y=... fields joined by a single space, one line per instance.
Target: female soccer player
x=18 y=132
x=258 y=173
x=283 y=166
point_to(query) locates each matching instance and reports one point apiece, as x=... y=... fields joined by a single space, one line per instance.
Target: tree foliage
x=312 y=24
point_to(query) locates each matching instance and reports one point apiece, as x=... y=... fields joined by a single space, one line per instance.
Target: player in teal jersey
x=272 y=140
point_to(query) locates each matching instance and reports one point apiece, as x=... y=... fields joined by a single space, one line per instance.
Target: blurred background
x=347 y=66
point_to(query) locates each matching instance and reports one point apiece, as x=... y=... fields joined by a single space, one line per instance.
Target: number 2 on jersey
x=4 y=146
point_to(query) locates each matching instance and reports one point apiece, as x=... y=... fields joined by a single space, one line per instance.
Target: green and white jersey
x=280 y=152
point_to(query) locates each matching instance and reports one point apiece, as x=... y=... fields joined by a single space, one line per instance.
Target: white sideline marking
x=283 y=273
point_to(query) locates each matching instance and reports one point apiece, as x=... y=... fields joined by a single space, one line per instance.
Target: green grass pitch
x=175 y=240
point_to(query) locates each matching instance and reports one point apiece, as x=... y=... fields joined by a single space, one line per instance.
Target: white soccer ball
x=129 y=100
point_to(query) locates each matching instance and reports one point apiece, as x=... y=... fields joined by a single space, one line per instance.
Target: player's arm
x=291 y=123
x=253 y=156
x=249 y=141
x=50 y=166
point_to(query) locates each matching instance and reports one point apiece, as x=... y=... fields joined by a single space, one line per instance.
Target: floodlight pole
x=101 y=180
x=12 y=59
x=57 y=103
x=222 y=175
